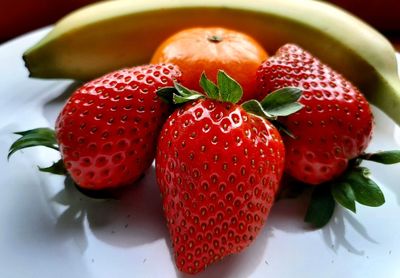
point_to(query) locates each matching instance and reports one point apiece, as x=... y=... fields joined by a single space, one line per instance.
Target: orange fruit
x=210 y=49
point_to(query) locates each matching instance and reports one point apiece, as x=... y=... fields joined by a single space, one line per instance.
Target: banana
x=113 y=34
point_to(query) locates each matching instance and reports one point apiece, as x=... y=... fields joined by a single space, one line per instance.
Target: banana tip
x=26 y=63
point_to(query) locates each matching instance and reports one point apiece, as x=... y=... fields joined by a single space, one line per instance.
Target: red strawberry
x=336 y=123
x=108 y=129
x=218 y=168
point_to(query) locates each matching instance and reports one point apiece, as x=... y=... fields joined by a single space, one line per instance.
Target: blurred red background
x=21 y=16
x=383 y=14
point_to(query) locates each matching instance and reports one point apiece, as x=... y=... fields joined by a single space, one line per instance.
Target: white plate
x=47 y=230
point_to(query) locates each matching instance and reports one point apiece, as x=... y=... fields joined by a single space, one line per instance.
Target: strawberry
x=334 y=127
x=107 y=130
x=325 y=141
x=218 y=168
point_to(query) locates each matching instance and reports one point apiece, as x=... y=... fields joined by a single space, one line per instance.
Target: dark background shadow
x=134 y=218
x=288 y=214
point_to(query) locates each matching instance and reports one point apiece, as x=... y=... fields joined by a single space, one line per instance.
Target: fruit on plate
x=210 y=49
x=328 y=138
x=334 y=127
x=107 y=131
x=82 y=45
x=218 y=166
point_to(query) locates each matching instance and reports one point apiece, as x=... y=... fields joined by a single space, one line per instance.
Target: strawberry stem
x=384 y=157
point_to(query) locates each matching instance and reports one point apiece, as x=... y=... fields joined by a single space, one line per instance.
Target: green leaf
x=229 y=89
x=35 y=137
x=282 y=102
x=178 y=94
x=366 y=191
x=166 y=94
x=177 y=99
x=254 y=107
x=321 y=207
x=385 y=157
x=209 y=87
x=183 y=91
x=344 y=195
x=57 y=168
x=183 y=94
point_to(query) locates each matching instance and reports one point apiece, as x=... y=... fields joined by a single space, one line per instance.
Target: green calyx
x=178 y=94
x=227 y=90
x=44 y=137
x=354 y=186
x=282 y=102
